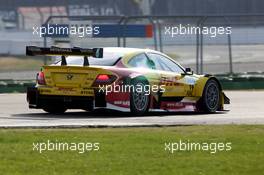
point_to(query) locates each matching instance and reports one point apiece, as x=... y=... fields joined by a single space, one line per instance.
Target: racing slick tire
x=54 y=109
x=139 y=100
x=210 y=100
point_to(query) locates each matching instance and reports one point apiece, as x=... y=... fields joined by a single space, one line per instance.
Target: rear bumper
x=32 y=97
x=36 y=100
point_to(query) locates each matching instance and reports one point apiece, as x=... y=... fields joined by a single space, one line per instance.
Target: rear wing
x=75 y=51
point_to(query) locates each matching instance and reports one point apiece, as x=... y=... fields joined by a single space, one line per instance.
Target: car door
x=172 y=76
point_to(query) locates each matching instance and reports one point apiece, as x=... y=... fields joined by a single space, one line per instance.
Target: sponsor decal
x=123 y=103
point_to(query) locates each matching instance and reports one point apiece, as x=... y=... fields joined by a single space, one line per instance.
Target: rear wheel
x=139 y=99
x=54 y=109
x=89 y=108
x=211 y=96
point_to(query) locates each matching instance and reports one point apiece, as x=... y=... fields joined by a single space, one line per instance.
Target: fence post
x=154 y=33
x=45 y=59
x=201 y=53
x=197 y=47
x=201 y=45
x=118 y=38
x=229 y=48
x=124 y=32
x=160 y=36
x=230 y=54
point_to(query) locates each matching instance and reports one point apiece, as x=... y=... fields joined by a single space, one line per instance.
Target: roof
x=125 y=50
x=111 y=55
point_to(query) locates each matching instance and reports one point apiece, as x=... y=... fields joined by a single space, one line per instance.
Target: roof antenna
x=85 y=61
x=63 y=61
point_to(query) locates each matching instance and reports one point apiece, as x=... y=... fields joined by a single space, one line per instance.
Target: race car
x=125 y=79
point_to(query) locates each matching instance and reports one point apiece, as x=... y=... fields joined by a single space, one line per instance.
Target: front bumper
x=36 y=100
x=226 y=99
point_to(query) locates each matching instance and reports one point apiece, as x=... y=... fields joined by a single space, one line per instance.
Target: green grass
x=20 y=63
x=134 y=151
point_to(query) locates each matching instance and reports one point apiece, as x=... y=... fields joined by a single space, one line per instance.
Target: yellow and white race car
x=124 y=79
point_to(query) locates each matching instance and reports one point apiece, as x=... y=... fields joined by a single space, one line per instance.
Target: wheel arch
x=218 y=82
x=141 y=77
x=134 y=76
x=202 y=82
x=200 y=103
x=133 y=107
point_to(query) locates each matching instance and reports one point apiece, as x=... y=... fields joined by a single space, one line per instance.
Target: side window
x=140 y=61
x=163 y=63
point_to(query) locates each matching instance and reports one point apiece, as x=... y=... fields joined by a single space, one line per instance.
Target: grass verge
x=134 y=151
x=20 y=63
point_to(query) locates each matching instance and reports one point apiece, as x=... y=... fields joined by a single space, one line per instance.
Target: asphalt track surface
x=247 y=107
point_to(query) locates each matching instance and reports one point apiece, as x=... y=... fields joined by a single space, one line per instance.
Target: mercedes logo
x=69 y=77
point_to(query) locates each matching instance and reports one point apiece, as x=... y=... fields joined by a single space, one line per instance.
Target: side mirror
x=188 y=71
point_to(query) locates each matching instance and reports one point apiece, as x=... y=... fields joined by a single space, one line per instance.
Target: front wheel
x=211 y=96
x=139 y=99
